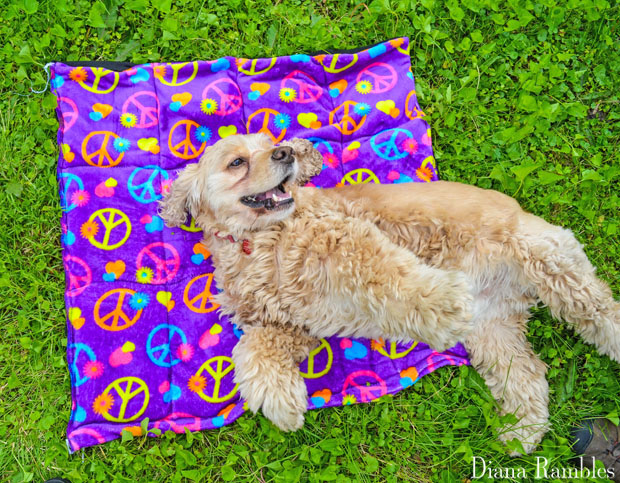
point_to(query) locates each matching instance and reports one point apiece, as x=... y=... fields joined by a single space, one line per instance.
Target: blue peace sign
x=318 y=142
x=71 y=179
x=145 y=191
x=387 y=147
x=73 y=368
x=161 y=355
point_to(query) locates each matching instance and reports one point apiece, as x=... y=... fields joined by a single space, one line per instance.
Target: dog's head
x=242 y=182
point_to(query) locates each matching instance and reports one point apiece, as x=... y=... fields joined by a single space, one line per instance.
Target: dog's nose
x=283 y=154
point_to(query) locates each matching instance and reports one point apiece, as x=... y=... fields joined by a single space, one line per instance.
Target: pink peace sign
x=165 y=259
x=441 y=361
x=307 y=88
x=78 y=273
x=87 y=431
x=382 y=77
x=227 y=94
x=177 y=422
x=69 y=117
x=145 y=105
x=360 y=382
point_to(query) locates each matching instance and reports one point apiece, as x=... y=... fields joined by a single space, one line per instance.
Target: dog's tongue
x=275 y=194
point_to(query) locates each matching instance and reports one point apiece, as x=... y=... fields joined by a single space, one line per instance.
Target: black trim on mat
x=121 y=66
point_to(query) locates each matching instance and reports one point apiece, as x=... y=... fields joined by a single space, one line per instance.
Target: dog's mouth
x=273 y=199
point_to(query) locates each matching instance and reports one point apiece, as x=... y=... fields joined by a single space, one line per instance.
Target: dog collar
x=245 y=243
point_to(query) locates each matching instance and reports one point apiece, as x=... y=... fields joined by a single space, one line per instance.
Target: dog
x=437 y=262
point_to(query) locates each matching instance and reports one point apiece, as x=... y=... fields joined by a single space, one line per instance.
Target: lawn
x=521 y=96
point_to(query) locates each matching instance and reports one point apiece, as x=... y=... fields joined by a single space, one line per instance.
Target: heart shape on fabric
x=182 y=97
x=386 y=106
x=225 y=131
x=103 y=109
x=120 y=358
x=149 y=144
x=306 y=119
x=220 y=65
x=260 y=87
x=141 y=75
x=321 y=398
x=117 y=268
x=356 y=351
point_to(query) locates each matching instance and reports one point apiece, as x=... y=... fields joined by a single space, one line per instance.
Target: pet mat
x=144 y=337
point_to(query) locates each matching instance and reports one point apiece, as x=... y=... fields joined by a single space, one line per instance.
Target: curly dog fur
x=438 y=263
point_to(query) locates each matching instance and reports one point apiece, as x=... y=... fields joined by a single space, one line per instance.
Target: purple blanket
x=144 y=337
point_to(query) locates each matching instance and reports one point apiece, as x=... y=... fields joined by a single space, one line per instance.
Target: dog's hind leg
x=266 y=369
x=554 y=262
x=500 y=352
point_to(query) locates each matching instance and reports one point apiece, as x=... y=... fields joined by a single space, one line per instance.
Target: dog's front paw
x=286 y=403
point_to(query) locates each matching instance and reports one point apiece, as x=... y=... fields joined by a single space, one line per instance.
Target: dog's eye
x=236 y=163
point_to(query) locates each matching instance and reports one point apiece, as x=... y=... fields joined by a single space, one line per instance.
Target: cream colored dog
x=435 y=262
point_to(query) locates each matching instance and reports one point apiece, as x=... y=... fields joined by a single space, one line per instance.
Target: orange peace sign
x=265 y=125
x=160 y=71
x=182 y=132
x=333 y=63
x=394 y=350
x=101 y=74
x=129 y=397
x=218 y=368
x=107 y=217
x=411 y=108
x=360 y=176
x=100 y=156
x=200 y=302
x=312 y=361
x=347 y=124
x=115 y=319
x=252 y=69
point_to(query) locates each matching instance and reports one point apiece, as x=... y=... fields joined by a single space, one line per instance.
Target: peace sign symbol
x=165 y=267
x=347 y=124
x=100 y=156
x=67 y=186
x=185 y=135
x=386 y=144
x=266 y=114
x=218 y=367
x=376 y=75
x=135 y=400
x=229 y=94
x=325 y=354
x=333 y=68
x=78 y=282
x=101 y=76
x=115 y=319
x=73 y=367
x=162 y=355
x=320 y=142
x=394 y=350
x=253 y=68
x=110 y=223
x=144 y=107
x=304 y=84
x=148 y=190
x=78 y=432
x=179 y=70
x=411 y=106
x=201 y=302
x=360 y=381
x=360 y=176
x=443 y=359
x=176 y=424
x=68 y=117
x=191 y=227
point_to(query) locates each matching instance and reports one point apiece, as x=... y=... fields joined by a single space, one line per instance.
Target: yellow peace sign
x=252 y=69
x=397 y=43
x=191 y=227
x=100 y=73
x=223 y=366
x=201 y=301
x=311 y=374
x=116 y=319
x=160 y=72
x=429 y=160
x=127 y=394
x=110 y=222
x=331 y=68
x=360 y=176
x=393 y=351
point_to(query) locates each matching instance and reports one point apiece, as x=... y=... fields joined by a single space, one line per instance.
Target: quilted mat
x=144 y=338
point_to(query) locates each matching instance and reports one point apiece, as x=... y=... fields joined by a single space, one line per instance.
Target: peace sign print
x=396 y=350
x=168 y=337
x=117 y=228
x=304 y=84
x=132 y=394
x=411 y=109
x=96 y=149
x=220 y=368
x=145 y=183
x=177 y=74
x=261 y=118
x=79 y=275
x=197 y=294
x=72 y=183
x=178 y=421
x=348 y=121
x=192 y=228
x=382 y=76
x=110 y=312
x=145 y=106
x=321 y=356
x=79 y=432
x=182 y=140
x=387 y=144
x=102 y=81
x=367 y=384
x=360 y=176
x=334 y=65
x=255 y=66
x=163 y=257
x=82 y=353
x=69 y=116
x=227 y=94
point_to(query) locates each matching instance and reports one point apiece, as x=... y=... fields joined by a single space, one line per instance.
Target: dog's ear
x=184 y=197
x=309 y=159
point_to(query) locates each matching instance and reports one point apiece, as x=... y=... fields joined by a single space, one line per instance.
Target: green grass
x=522 y=97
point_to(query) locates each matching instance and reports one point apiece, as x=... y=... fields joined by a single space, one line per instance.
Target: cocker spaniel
x=434 y=262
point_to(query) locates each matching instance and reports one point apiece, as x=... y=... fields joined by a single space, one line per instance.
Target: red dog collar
x=245 y=244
